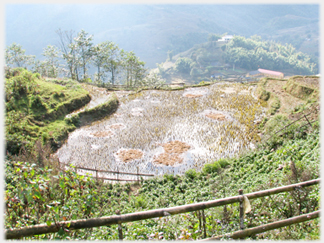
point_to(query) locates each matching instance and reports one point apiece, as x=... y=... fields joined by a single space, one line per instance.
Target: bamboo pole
x=204 y=222
x=110 y=171
x=111 y=179
x=266 y=227
x=116 y=219
x=241 y=210
x=120 y=229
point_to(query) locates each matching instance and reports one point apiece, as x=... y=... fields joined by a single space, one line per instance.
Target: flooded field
x=160 y=132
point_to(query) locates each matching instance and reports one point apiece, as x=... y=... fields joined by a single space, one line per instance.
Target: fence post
x=204 y=222
x=120 y=229
x=241 y=210
x=137 y=173
x=117 y=173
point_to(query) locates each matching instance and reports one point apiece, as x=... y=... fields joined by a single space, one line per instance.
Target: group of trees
x=74 y=56
x=251 y=53
x=248 y=53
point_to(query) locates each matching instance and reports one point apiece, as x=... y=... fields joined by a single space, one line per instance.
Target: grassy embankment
x=36 y=109
x=34 y=195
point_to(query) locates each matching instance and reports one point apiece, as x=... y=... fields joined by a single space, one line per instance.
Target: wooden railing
x=119 y=219
x=97 y=177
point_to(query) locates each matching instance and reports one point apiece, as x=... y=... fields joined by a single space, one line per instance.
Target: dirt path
x=98 y=96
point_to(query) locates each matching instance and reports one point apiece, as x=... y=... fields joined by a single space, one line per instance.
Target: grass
x=36 y=109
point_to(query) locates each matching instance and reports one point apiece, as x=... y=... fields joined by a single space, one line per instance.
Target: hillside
x=235 y=124
x=37 y=109
x=156 y=29
x=232 y=60
x=44 y=195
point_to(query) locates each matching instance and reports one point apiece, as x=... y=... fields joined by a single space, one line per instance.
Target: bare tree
x=68 y=49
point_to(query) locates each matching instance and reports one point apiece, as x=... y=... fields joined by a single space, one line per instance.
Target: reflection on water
x=203 y=118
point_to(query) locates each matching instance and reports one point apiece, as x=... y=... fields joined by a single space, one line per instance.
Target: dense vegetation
x=44 y=195
x=36 y=191
x=252 y=53
x=75 y=55
x=36 y=109
x=237 y=57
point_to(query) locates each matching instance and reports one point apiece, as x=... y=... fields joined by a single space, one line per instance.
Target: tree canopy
x=74 y=56
x=252 y=53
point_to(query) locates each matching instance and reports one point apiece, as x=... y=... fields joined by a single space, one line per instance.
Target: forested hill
x=152 y=30
x=234 y=59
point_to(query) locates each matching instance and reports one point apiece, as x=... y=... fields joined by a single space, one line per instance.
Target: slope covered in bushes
x=43 y=195
x=36 y=108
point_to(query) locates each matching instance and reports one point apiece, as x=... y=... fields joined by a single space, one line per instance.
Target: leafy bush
x=211 y=168
x=57 y=95
x=73 y=120
x=274 y=104
x=191 y=173
x=36 y=103
x=223 y=163
x=183 y=65
x=140 y=202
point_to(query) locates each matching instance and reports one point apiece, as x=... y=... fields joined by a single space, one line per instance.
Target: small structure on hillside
x=217 y=75
x=226 y=38
x=265 y=73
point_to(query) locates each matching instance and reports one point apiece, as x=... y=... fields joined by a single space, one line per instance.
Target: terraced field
x=168 y=131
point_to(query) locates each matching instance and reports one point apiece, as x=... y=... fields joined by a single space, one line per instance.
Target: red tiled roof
x=270 y=72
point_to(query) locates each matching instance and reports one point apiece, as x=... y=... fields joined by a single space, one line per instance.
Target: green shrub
x=223 y=162
x=211 y=168
x=36 y=103
x=275 y=123
x=274 y=105
x=73 y=120
x=37 y=75
x=191 y=173
x=169 y=177
x=57 y=95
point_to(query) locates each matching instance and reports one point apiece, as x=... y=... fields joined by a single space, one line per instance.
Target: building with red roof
x=265 y=73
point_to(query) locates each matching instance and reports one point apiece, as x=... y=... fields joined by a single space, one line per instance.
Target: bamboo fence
x=266 y=227
x=119 y=219
x=97 y=177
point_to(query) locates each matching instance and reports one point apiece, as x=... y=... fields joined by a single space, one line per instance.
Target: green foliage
x=15 y=56
x=35 y=195
x=73 y=120
x=223 y=163
x=36 y=109
x=183 y=65
x=36 y=103
x=298 y=90
x=140 y=202
x=214 y=37
x=253 y=53
x=262 y=93
x=170 y=55
x=191 y=174
x=274 y=104
x=211 y=168
x=101 y=110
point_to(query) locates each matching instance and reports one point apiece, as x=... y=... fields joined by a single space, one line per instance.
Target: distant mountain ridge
x=151 y=30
